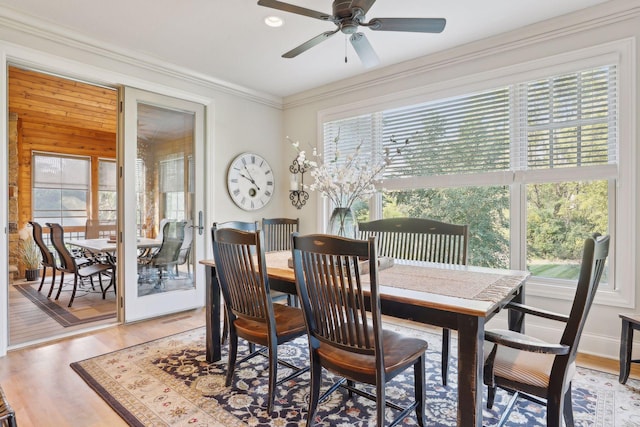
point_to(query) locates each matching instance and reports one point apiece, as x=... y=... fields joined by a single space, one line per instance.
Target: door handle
x=200 y=224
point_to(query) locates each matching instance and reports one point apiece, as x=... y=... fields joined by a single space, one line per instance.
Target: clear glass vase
x=342 y=223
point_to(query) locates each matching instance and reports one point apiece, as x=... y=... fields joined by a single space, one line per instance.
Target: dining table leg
x=516 y=317
x=470 y=369
x=213 y=353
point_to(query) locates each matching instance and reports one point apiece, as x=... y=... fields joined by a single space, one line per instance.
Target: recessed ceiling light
x=273 y=21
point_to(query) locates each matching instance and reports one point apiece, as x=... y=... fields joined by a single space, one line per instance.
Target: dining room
x=567 y=87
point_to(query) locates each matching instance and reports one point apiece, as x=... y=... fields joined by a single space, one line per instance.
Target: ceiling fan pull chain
x=345 y=49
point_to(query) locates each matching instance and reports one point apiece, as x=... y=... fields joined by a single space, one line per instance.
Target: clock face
x=250 y=181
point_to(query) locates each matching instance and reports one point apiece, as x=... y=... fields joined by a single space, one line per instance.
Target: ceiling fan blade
x=309 y=44
x=274 y=4
x=364 y=50
x=416 y=25
x=365 y=5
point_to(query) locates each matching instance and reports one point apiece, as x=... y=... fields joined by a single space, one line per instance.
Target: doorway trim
x=45 y=62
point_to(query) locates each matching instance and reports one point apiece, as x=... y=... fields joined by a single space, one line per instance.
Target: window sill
x=605 y=295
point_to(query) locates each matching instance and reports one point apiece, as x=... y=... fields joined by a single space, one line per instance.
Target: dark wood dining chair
x=69 y=264
x=251 y=314
x=420 y=239
x=542 y=371
x=277 y=237
x=277 y=233
x=236 y=225
x=244 y=226
x=343 y=337
x=48 y=260
x=7 y=414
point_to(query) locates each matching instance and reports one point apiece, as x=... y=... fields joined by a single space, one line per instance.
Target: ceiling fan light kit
x=348 y=15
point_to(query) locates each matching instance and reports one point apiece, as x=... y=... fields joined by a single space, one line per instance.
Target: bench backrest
x=418 y=239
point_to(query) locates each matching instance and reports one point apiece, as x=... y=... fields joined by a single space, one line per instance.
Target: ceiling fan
x=348 y=15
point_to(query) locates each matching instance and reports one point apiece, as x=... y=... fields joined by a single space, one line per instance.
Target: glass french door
x=162 y=197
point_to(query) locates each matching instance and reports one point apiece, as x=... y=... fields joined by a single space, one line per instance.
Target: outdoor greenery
x=484 y=209
x=560 y=217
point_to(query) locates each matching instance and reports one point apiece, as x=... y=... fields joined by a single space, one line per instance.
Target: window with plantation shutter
x=539 y=155
x=342 y=137
x=564 y=121
x=571 y=120
x=459 y=135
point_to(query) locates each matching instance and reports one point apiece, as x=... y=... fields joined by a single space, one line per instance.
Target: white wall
x=608 y=22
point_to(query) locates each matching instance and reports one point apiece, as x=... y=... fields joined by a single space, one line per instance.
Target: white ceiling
x=227 y=39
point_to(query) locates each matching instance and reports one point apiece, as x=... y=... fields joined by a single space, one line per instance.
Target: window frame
x=34 y=187
x=621 y=53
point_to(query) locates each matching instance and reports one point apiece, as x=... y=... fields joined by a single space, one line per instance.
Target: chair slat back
x=48 y=259
x=236 y=225
x=277 y=233
x=242 y=276
x=334 y=301
x=67 y=261
x=418 y=239
x=594 y=257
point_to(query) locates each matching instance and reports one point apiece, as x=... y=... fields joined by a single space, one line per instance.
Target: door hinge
x=121 y=302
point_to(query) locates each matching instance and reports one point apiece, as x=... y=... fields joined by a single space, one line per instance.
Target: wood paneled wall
x=62 y=116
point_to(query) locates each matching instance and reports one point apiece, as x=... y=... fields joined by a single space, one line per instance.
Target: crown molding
x=25 y=24
x=601 y=15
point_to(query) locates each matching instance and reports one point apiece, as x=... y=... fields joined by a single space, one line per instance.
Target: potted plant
x=30 y=257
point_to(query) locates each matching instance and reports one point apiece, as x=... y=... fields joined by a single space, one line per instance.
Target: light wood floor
x=27 y=323
x=44 y=391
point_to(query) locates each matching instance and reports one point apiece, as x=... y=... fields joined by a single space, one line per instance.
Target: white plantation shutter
x=564 y=121
x=571 y=120
x=350 y=133
x=458 y=135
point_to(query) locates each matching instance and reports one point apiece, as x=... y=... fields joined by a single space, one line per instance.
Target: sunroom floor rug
x=168 y=382
x=87 y=306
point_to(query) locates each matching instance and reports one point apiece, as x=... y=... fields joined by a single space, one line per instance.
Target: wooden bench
x=420 y=239
x=630 y=322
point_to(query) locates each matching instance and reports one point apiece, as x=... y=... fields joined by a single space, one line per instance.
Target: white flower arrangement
x=344 y=182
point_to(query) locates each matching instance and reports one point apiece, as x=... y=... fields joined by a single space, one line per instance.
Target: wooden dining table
x=461 y=298
x=108 y=246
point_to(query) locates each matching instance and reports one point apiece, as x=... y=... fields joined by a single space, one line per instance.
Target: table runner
x=448 y=280
x=475 y=285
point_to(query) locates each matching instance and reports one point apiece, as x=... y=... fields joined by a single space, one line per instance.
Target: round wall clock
x=250 y=181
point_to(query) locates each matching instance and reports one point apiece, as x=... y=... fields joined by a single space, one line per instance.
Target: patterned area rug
x=168 y=382
x=88 y=306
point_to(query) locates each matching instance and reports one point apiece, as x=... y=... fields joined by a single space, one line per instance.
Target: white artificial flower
x=345 y=181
